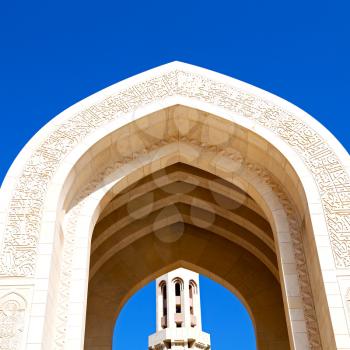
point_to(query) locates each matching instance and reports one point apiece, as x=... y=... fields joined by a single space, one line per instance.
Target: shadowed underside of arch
x=183 y=216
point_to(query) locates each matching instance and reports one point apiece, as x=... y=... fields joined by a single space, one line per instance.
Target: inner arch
x=193 y=226
x=152 y=143
x=138 y=318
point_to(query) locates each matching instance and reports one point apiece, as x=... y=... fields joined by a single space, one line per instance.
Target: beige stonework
x=125 y=185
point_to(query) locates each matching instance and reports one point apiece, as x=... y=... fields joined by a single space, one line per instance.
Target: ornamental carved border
x=264 y=175
x=25 y=210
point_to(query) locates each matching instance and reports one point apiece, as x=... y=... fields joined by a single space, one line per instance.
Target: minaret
x=179 y=323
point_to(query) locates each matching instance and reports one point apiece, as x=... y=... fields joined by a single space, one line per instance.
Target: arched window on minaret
x=192 y=292
x=163 y=292
x=178 y=283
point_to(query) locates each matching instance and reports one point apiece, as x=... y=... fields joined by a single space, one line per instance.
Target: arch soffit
x=106 y=232
x=200 y=203
x=95 y=198
x=104 y=196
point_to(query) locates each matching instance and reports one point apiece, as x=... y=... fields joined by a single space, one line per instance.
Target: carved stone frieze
x=26 y=205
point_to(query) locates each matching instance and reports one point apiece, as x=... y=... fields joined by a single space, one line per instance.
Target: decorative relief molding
x=65 y=279
x=70 y=230
x=264 y=175
x=25 y=209
x=295 y=230
x=12 y=317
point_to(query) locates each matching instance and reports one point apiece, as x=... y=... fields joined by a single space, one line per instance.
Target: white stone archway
x=71 y=154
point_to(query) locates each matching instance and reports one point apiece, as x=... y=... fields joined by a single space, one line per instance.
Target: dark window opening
x=164 y=300
x=177 y=289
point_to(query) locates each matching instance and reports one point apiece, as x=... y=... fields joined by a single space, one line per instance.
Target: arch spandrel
x=39 y=180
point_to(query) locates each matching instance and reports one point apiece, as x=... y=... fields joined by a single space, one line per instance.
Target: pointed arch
x=39 y=193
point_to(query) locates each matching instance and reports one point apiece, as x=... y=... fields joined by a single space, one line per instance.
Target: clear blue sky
x=55 y=53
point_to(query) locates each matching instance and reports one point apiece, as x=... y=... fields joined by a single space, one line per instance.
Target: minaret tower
x=179 y=323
